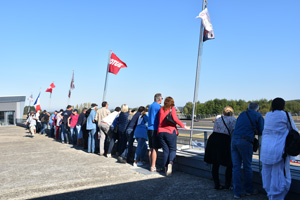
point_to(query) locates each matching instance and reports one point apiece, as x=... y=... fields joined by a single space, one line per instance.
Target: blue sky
x=255 y=54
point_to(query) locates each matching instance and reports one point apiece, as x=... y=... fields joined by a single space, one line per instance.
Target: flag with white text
x=115 y=64
x=208 y=28
x=72 y=86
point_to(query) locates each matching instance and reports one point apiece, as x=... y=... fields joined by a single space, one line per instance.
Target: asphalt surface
x=39 y=167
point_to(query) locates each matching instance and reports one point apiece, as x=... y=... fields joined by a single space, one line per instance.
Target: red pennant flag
x=115 y=64
x=49 y=89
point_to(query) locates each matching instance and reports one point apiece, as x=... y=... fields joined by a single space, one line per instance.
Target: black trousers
x=228 y=175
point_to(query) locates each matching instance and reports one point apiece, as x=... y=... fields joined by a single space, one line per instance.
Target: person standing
x=242 y=148
x=91 y=127
x=58 y=124
x=122 y=125
x=44 y=119
x=130 y=132
x=72 y=121
x=80 y=121
x=32 y=123
x=276 y=175
x=167 y=133
x=154 y=143
x=218 y=150
x=101 y=113
x=52 y=123
x=65 y=128
x=105 y=126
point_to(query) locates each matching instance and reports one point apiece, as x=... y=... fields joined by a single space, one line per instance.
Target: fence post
x=205 y=138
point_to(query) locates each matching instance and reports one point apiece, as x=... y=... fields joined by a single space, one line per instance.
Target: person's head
x=228 y=111
x=141 y=109
x=94 y=106
x=118 y=109
x=31 y=113
x=44 y=111
x=253 y=106
x=55 y=112
x=147 y=108
x=158 y=98
x=104 y=104
x=169 y=102
x=124 y=108
x=61 y=110
x=84 y=110
x=75 y=111
x=69 y=107
x=278 y=104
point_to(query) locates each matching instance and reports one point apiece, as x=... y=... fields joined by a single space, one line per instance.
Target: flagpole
x=204 y=5
x=105 y=84
x=69 y=96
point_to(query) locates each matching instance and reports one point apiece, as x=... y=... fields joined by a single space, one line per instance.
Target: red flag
x=49 y=89
x=115 y=64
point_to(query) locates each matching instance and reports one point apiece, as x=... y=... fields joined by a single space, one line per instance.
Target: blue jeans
x=73 y=132
x=44 y=126
x=51 y=129
x=168 y=142
x=129 y=133
x=79 y=131
x=91 y=141
x=241 y=152
x=141 y=149
x=64 y=133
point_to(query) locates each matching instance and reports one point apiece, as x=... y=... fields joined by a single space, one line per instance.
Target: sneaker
x=139 y=164
x=121 y=159
x=169 y=170
x=255 y=191
x=134 y=164
x=236 y=196
x=152 y=169
x=108 y=155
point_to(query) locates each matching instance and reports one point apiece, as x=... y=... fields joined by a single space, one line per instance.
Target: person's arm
x=96 y=117
x=260 y=125
x=175 y=118
x=69 y=120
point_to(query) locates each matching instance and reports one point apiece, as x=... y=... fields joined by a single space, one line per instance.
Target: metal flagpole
x=204 y=5
x=105 y=85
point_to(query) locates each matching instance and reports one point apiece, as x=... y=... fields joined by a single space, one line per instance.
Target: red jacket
x=167 y=127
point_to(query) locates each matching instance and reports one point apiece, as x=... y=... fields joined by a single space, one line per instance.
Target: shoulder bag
x=255 y=142
x=169 y=119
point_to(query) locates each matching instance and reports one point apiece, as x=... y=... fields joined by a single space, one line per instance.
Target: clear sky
x=256 y=53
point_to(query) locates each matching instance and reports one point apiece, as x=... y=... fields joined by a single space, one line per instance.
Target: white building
x=11 y=109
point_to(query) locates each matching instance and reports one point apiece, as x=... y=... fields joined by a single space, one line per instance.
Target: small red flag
x=115 y=64
x=49 y=89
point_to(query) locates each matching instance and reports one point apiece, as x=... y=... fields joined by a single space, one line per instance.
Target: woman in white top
x=276 y=174
x=217 y=151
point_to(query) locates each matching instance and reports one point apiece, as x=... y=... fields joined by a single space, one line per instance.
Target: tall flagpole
x=105 y=85
x=204 y=5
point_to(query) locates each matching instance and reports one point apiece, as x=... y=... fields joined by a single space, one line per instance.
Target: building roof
x=8 y=99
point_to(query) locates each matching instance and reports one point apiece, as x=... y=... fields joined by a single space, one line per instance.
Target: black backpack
x=292 y=142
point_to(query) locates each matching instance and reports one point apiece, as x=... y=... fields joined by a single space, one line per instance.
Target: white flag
x=208 y=28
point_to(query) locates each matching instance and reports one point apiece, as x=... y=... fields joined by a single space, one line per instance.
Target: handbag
x=255 y=142
x=169 y=119
x=292 y=142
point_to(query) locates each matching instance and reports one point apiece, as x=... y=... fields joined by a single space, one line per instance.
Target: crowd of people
x=113 y=133
x=231 y=144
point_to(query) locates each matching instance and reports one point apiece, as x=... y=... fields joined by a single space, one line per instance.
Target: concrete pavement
x=42 y=168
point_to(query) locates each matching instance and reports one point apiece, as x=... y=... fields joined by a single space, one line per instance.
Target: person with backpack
x=276 y=175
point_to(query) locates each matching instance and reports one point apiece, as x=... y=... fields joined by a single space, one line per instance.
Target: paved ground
x=41 y=168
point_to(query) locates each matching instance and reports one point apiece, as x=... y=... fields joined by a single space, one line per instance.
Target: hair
x=104 y=103
x=228 y=111
x=124 y=108
x=277 y=104
x=253 y=106
x=118 y=109
x=69 y=106
x=84 y=109
x=157 y=97
x=61 y=110
x=141 y=109
x=45 y=111
x=169 y=102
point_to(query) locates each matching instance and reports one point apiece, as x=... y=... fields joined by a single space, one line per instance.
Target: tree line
x=216 y=106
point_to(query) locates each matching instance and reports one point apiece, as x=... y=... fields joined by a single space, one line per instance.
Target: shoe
x=134 y=164
x=121 y=159
x=102 y=154
x=169 y=170
x=218 y=187
x=139 y=164
x=236 y=196
x=153 y=169
x=108 y=155
x=255 y=191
